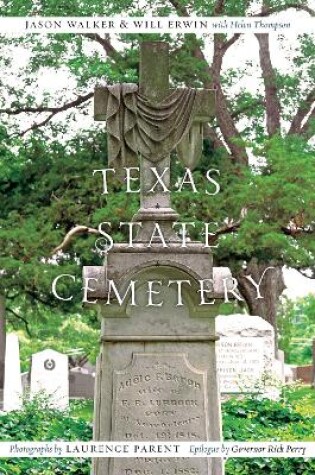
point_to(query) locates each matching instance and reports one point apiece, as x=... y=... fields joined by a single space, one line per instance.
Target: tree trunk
x=2 y=345
x=270 y=288
x=273 y=108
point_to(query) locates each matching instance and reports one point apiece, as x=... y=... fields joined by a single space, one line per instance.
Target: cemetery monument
x=50 y=376
x=246 y=354
x=156 y=376
x=12 y=394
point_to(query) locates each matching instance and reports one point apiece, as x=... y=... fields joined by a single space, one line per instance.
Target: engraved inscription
x=240 y=363
x=159 y=397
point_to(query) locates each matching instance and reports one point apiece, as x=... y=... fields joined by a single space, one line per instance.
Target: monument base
x=156 y=373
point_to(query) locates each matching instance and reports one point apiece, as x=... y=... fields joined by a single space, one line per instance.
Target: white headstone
x=50 y=376
x=278 y=366
x=290 y=373
x=246 y=353
x=12 y=394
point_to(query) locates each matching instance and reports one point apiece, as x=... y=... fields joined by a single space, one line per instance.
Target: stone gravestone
x=81 y=383
x=12 y=397
x=245 y=353
x=26 y=381
x=278 y=366
x=156 y=376
x=49 y=376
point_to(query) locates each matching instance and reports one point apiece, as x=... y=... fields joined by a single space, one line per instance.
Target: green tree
x=265 y=212
x=39 y=205
x=296 y=323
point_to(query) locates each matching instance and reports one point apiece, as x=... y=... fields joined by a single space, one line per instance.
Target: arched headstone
x=50 y=376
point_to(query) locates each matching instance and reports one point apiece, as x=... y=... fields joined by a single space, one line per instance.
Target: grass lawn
x=82 y=408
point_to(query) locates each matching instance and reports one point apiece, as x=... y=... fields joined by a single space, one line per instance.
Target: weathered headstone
x=156 y=375
x=245 y=353
x=12 y=397
x=26 y=382
x=278 y=366
x=289 y=373
x=81 y=384
x=49 y=376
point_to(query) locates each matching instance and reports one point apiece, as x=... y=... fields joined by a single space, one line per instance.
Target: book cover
x=157 y=181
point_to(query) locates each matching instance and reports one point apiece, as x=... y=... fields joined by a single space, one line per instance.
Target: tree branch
x=225 y=120
x=104 y=42
x=230 y=227
x=293 y=229
x=180 y=9
x=226 y=45
x=270 y=10
x=41 y=109
x=36 y=125
x=35 y=295
x=23 y=320
x=248 y=107
x=272 y=101
x=210 y=133
x=297 y=225
x=70 y=235
x=305 y=130
x=304 y=271
x=54 y=110
x=218 y=8
x=302 y=112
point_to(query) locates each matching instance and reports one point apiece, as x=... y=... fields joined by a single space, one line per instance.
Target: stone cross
x=154 y=85
x=156 y=376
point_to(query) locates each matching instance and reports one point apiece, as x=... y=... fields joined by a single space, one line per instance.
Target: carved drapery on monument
x=156 y=373
x=137 y=125
x=146 y=122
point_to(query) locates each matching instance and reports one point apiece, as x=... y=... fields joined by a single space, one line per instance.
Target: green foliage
x=302 y=398
x=76 y=334
x=39 y=422
x=281 y=188
x=254 y=416
x=296 y=324
x=46 y=181
x=49 y=189
x=264 y=420
x=45 y=193
x=245 y=419
x=270 y=195
x=272 y=466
